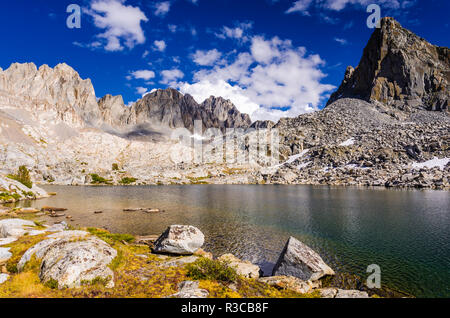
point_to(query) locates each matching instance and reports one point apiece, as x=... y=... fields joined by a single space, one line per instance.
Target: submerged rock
x=71 y=257
x=180 y=240
x=299 y=260
x=190 y=289
x=243 y=268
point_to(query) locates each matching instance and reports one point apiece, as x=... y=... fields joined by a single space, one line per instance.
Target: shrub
x=127 y=180
x=115 y=167
x=96 y=179
x=206 y=269
x=23 y=176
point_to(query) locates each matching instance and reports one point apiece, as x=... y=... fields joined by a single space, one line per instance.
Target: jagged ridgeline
x=73 y=100
x=401 y=69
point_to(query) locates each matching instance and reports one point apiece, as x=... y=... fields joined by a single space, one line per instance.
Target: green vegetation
x=96 y=179
x=127 y=180
x=23 y=176
x=205 y=268
x=115 y=167
x=111 y=237
x=51 y=283
x=7 y=196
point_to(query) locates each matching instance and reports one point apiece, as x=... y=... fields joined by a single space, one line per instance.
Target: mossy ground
x=137 y=274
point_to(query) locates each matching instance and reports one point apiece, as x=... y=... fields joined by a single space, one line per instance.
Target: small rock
x=290 y=283
x=180 y=240
x=351 y=294
x=98 y=212
x=27 y=211
x=5 y=254
x=3 y=278
x=299 y=260
x=52 y=209
x=178 y=262
x=146 y=240
x=328 y=292
x=243 y=268
x=6 y=241
x=14 y=227
x=202 y=253
x=190 y=289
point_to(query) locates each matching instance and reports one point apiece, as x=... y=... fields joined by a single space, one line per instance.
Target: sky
x=271 y=58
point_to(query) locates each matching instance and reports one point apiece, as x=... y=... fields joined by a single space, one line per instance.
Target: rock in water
x=401 y=69
x=72 y=257
x=299 y=260
x=180 y=240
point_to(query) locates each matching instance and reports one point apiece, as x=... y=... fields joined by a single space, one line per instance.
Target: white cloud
x=341 y=41
x=206 y=58
x=205 y=88
x=170 y=77
x=302 y=6
x=272 y=75
x=237 y=32
x=122 y=23
x=141 y=90
x=160 y=45
x=143 y=74
x=162 y=8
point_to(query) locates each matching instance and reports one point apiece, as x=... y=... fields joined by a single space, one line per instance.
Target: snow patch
x=435 y=162
x=303 y=165
x=295 y=157
x=348 y=142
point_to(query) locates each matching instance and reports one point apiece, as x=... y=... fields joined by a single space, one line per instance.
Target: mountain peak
x=400 y=69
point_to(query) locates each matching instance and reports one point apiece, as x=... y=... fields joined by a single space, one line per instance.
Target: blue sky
x=272 y=58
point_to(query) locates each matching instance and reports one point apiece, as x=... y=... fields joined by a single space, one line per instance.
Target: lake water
x=405 y=232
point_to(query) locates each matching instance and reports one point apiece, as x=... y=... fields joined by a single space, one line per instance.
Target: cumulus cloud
x=206 y=58
x=160 y=45
x=274 y=79
x=300 y=6
x=143 y=74
x=121 y=23
x=170 y=77
x=162 y=8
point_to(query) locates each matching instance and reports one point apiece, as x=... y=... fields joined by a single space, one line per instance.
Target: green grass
x=206 y=269
x=111 y=237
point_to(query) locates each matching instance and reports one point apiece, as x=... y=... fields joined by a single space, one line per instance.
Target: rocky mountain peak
x=60 y=89
x=400 y=69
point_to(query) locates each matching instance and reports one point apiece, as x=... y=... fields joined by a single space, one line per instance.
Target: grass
x=111 y=238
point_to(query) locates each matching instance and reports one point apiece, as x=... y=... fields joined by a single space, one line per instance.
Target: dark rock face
x=171 y=109
x=401 y=69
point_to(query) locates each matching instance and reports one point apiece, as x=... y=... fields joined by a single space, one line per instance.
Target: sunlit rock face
x=401 y=69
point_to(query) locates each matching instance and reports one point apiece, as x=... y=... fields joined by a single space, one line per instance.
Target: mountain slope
x=401 y=69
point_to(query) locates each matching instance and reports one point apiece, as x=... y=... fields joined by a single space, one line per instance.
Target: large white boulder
x=180 y=240
x=299 y=260
x=72 y=257
x=3 y=278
